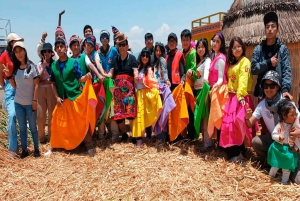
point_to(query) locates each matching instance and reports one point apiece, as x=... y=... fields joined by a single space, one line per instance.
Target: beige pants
x=46 y=102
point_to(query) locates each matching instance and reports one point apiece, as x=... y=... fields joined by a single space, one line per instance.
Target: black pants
x=149 y=132
x=234 y=151
x=190 y=127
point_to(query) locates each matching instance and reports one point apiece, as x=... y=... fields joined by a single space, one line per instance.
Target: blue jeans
x=9 y=93
x=24 y=113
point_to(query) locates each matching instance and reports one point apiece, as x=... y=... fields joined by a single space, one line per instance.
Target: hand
x=287 y=94
x=189 y=73
x=34 y=106
x=274 y=60
x=249 y=112
x=182 y=82
x=44 y=35
x=44 y=64
x=109 y=74
x=242 y=102
x=59 y=101
x=168 y=83
x=6 y=70
x=295 y=132
x=291 y=143
x=281 y=138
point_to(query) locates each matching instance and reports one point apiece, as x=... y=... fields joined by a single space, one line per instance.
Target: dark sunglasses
x=122 y=44
x=149 y=39
x=271 y=86
x=104 y=37
x=145 y=55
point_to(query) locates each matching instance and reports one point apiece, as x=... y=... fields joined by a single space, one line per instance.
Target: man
x=59 y=33
x=271 y=54
x=149 y=44
x=190 y=70
x=267 y=110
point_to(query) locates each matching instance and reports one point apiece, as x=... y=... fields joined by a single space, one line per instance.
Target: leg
x=285 y=176
x=101 y=130
x=51 y=103
x=261 y=145
x=273 y=171
x=41 y=113
x=31 y=116
x=233 y=151
x=88 y=143
x=190 y=127
x=207 y=141
x=21 y=116
x=114 y=129
x=149 y=132
x=295 y=176
x=11 y=126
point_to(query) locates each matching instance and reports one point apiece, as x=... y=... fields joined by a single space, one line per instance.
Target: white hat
x=18 y=44
x=13 y=36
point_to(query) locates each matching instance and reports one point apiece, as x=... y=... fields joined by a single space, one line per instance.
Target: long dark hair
x=223 y=47
x=142 y=66
x=9 y=49
x=162 y=50
x=283 y=108
x=206 y=54
x=17 y=63
x=231 y=58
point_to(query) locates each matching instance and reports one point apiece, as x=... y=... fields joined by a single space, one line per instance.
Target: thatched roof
x=245 y=19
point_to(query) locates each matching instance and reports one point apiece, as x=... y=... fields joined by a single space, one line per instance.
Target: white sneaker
x=48 y=153
x=91 y=152
x=237 y=158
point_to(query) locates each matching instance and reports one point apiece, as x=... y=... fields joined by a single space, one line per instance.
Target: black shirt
x=125 y=66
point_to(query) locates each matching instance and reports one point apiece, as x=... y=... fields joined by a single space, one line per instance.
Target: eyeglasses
x=149 y=39
x=122 y=44
x=145 y=55
x=236 y=48
x=271 y=86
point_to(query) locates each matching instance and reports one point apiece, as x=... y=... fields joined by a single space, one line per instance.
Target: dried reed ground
x=123 y=172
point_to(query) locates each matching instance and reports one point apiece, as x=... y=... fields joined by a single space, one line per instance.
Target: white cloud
x=163 y=30
x=134 y=31
x=96 y=31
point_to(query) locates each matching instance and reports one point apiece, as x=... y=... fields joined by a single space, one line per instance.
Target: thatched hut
x=245 y=19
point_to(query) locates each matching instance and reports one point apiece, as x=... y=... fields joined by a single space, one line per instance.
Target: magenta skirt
x=234 y=130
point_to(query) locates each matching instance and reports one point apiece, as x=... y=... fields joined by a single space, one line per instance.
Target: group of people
x=80 y=85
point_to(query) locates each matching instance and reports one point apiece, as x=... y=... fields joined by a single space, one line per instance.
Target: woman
x=46 y=100
x=122 y=69
x=148 y=99
x=217 y=80
x=201 y=90
x=233 y=137
x=25 y=79
x=9 y=92
x=160 y=66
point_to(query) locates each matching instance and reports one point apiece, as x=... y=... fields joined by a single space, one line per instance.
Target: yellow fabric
x=178 y=117
x=149 y=107
x=72 y=120
x=240 y=78
x=219 y=99
x=189 y=95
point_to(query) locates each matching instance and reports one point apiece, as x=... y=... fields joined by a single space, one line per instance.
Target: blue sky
x=135 y=18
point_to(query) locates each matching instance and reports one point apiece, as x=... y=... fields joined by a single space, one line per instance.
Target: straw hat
x=121 y=38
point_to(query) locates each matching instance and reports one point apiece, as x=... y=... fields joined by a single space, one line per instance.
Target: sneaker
x=12 y=155
x=139 y=143
x=24 y=154
x=124 y=137
x=236 y=158
x=91 y=152
x=48 y=153
x=36 y=153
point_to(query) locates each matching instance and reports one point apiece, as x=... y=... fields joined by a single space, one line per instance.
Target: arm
x=36 y=93
x=258 y=67
x=206 y=69
x=98 y=64
x=193 y=67
x=244 y=75
x=285 y=63
x=9 y=76
x=39 y=47
x=181 y=69
x=2 y=84
x=252 y=117
x=91 y=66
x=276 y=134
x=220 y=66
x=164 y=69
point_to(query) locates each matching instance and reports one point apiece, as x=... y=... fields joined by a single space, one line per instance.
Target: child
x=281 y=153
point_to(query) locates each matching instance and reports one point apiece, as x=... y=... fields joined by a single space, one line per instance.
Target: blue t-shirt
x=107 y=60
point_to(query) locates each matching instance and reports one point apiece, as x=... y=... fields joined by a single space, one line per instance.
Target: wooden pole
x=59 y=17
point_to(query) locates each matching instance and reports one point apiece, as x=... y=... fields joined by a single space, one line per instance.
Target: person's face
x=60 y=49
x=59 y=35
x=88 y=48
x=290 y=117
x=145 y=58
x=47 y=54
x=20 y=53
x=123 y=48
x=149 y=43
x=75 y=48
x=216 y=45
x=271 y=30
x=201 y=50
x=237 y=50
x=104 y=40
x=270 y=89
x=87 y=32
x=172 y=44
x=157 y=52
x=186 y=42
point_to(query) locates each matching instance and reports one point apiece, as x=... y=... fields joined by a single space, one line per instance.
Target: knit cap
x=59 y=30
x=115 y=32
x=73 y=39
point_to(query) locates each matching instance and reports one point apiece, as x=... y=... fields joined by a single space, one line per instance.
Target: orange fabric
x=72 y=120
x=175 y=67
x=149 y=80
x=178 y=117
x=189 y=95
x=219 y=99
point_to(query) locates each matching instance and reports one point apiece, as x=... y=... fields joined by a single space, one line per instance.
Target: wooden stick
x=59 y=17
